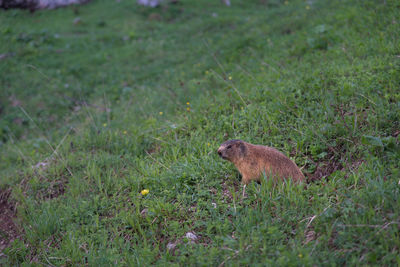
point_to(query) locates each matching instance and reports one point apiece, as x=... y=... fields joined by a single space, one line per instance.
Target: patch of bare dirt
x=337 y=155
x=324 y=169
x=335 y=160
x=9 y=231
x=328 y=166
x=55 y=189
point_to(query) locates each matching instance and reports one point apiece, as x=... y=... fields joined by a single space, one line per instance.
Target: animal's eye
x=229 y=146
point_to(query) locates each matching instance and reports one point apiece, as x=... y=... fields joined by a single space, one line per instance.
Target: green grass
x=129 y=98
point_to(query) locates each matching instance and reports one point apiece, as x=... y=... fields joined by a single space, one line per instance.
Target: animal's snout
x=220 y=152
x=223 y=153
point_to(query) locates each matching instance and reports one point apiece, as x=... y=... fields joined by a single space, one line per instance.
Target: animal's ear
x=243 y=149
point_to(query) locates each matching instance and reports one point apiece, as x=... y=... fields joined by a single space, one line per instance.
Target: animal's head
x=232 y=150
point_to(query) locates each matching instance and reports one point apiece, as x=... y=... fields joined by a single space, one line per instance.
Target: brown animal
x=254 y=160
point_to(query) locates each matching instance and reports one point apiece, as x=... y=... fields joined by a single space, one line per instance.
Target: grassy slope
x=319 y=81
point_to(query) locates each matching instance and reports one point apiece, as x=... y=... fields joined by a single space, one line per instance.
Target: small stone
x=227 y=2
x=171 y=246
x=41 y=165
x=191 y=236
x=77 y=20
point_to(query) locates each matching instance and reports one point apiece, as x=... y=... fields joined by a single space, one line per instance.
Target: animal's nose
x=220 y=152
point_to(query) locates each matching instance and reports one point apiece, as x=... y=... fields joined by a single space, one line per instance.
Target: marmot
x=252 y=160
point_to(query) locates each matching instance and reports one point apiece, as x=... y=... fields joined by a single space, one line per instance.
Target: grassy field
x=101 y=101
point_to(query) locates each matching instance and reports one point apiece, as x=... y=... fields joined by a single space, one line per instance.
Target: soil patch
x=331 y=164
x=9 y=231
x=328 y=165
x=325 y=169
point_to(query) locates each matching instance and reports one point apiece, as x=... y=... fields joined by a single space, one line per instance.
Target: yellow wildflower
x=307 y=7
x=144 y=192
x=105 y=124
x=160 y=113
x=125 y=132
x=187 y=103
x=230 y=77
x=188 y=109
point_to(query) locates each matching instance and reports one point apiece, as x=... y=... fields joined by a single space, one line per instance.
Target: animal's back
x=271 y=161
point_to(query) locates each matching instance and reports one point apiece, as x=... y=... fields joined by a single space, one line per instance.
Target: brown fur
x=253 y=160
